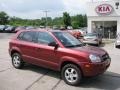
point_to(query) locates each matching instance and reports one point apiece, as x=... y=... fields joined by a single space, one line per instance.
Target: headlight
x=94 y=58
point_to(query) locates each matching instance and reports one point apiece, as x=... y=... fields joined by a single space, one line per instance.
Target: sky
x=34 y=9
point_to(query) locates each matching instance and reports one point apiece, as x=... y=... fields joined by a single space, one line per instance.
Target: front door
x=46 y=54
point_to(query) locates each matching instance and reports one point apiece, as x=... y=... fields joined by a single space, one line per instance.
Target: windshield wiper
x=79 y=45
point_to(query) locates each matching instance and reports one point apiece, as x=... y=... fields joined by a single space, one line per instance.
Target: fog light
x=87 y=66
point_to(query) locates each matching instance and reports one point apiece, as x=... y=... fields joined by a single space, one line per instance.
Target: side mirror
x=54 y=44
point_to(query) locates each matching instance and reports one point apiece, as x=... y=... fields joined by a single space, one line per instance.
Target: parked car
x=83 y=32
x=75 y=33
x=55 y=27
x=30 y=27
x=93 y=38
x=10 y=28
x=2 y=27
x=117 y=42
x=19 y=28
x=60 y=51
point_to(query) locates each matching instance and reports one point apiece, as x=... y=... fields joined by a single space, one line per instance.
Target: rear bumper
x=94 y=69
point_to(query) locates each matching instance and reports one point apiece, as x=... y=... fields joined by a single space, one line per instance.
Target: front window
x=67 y=39
x=45 y=38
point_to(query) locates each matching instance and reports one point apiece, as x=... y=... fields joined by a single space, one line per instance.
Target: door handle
x=37 y=49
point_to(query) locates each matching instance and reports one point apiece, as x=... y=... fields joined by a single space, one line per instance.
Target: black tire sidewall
x=78 y=71
x=21 y=62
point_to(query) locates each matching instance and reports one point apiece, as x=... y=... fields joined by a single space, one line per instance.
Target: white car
x=117 y=42
x=93 y=38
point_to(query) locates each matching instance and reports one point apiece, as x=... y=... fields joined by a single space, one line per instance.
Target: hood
x=87 y=37
x=91 y=50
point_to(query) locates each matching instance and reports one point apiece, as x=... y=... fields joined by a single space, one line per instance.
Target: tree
x=66 y=19
x=58 y=21
x=85 y=21
x=75 y=25
x=3 y=18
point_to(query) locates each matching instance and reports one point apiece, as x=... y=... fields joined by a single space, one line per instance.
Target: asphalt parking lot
x=36 y=78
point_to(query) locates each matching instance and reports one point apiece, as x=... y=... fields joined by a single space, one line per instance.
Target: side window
x=45 y=38
x=27 y=36
x=20 y=36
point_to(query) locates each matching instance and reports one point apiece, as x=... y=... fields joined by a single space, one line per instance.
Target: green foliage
x=58 y=21
x=76 y=21
x=79 y=21
x=3 y=18
x=66 y=19
x=75 y=25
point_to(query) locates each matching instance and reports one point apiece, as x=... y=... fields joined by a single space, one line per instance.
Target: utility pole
x=46 y=17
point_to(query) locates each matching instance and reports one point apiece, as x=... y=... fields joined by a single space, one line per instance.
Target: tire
x=17 y=61
x=71 y=74
x=117 y=46
x=98 y=44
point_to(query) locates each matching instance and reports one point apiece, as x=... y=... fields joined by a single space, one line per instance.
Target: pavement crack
x=56 y=85
x=36 y=80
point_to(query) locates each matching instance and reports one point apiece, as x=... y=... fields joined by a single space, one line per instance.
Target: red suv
x=60 y=51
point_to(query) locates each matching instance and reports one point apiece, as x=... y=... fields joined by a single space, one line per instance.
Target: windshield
x=67 y=39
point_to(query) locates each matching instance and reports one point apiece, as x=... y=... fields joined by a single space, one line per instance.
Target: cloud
x=75 y=6
x=35 y=8
x=31 y=5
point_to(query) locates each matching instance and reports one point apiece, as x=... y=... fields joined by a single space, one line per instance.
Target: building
x=104 y=17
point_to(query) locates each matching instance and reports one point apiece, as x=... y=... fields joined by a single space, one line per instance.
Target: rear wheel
x=71 y=74
x=17 y=61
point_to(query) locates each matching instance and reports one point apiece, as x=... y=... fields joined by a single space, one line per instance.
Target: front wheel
x=17 y=61
x=71 y=74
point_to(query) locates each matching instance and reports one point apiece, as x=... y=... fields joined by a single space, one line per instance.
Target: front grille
x=105 y=57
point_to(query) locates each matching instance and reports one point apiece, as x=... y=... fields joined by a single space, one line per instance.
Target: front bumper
x=117 y=43
x=94 y=69
x=90 y=42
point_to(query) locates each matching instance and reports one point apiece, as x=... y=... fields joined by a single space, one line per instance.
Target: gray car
x=117 y=42
x=93 y=38
x=2 y=27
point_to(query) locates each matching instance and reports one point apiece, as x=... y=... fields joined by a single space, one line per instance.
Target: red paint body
x=46 y=56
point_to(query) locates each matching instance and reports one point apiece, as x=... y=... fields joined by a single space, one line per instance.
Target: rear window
x=27 y=36
x=20 y=36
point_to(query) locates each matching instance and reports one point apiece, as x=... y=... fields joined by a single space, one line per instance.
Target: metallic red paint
x=46 y=56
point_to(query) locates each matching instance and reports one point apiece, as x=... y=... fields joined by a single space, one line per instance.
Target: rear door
x=27 y=46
